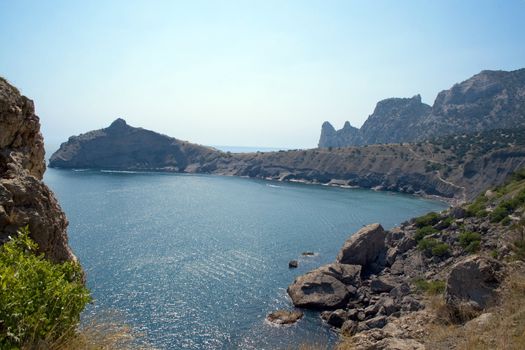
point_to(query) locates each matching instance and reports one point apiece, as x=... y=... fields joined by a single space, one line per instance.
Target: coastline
x=336 y=183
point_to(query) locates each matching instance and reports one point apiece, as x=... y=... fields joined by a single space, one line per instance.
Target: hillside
x=488 y=100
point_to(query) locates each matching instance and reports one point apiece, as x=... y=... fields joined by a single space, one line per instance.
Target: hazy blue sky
x=264 y=73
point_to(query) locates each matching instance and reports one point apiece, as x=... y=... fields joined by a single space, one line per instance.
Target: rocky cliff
x=24 y=198
x=488 y=100
x=121 y=146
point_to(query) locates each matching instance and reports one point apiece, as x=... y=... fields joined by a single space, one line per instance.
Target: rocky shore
x=377 y=290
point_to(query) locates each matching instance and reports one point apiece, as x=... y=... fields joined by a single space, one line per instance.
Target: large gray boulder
x=474 y=282
x=364 y=247
x=325 y=288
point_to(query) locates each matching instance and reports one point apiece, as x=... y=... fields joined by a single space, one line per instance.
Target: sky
x=245 y=73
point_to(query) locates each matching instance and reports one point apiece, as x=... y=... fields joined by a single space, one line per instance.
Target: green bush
x=429 y=219
x=470 y=241
x=433 y=247
x=424 y=231
x=429 y=286
x=440 y=249
x=40 y=301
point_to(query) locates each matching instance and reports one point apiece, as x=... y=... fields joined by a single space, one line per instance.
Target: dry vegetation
x=504 y=329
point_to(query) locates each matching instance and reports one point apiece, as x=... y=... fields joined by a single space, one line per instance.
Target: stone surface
x=474 y=281
x=364 y=247
x=24 y=198
x=284 y=317
x=381 y=285
x=319 y=289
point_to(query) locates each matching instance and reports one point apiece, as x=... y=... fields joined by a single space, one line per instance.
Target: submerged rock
x=284 y=316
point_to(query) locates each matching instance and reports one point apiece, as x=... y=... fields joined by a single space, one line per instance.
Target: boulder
x=335 y=318
x=381 y=285
x=388 y=306
x=364 y=247
x=284 y=316
x=349 y=328
x=474 y=282
x=400 y=291
x=409 y=303
x=376 y=322
x=292 y=264
x=320 y=289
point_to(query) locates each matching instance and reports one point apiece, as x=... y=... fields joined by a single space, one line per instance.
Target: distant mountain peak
x=118 y=124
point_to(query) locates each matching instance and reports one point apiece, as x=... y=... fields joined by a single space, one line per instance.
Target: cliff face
x=121 y=146
x=488 y=100
x=24 y=198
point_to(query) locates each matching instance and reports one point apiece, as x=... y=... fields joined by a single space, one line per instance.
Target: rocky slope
x=377 y=290
x=488 y=100
x=24 y=198
x=457 y=168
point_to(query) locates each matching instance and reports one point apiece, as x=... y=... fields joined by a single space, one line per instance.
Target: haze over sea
x=196 y=262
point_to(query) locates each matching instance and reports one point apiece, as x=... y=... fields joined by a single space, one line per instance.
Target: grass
x=431 y=287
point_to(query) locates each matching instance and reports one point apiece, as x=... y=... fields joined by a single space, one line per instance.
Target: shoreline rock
x=284 y=317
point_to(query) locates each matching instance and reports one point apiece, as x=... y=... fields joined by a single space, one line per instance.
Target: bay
x=197 y=262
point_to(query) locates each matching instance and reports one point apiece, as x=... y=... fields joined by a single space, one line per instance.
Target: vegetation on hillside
x=40 y=301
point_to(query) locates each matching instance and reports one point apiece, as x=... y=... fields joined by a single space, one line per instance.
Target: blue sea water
x=197 y=262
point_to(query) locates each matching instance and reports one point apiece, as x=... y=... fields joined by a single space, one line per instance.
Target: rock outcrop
x=474 y=283
x=24 y=198
x=488 y=100
x=364 y=247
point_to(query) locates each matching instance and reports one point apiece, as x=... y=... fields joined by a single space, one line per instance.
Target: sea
x=198 y=261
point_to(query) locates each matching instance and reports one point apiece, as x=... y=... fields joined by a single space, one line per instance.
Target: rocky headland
x=24 y=198
x=488 y=100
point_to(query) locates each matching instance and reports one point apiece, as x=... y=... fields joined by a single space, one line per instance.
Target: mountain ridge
x=485 y=101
